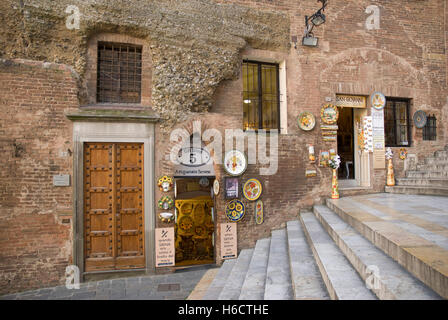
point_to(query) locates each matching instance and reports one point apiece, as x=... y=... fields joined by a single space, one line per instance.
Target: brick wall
x=35 y=143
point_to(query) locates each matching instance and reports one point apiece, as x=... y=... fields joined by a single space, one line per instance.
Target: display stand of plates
x=252 y=189
x=306 y=121
x=235 y=210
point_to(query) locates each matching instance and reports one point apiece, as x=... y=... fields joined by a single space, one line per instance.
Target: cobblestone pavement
x=175 y=286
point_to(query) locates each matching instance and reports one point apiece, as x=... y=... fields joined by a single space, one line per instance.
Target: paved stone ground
x=175 y=286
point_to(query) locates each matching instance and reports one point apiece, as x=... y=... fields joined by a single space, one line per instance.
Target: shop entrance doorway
x=346 y=144
x=194 y=228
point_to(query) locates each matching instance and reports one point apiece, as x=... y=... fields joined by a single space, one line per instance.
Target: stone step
x=416 y=182
x=427 y=174
x=235 y=279
x=386 y=278
x=278 y=275
x=426 y=190
x=307 y=281
x=434 y=160
x=341 y=279
x=422 y=258
x=432 y=167
x=218 y=283
x=255 y=280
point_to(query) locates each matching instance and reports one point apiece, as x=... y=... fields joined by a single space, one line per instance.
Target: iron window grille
x=397 y=123
x=261 y=95
x=430 y=129
x=119 y=73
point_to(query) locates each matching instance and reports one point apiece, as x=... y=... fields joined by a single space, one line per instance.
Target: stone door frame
x=127 y=132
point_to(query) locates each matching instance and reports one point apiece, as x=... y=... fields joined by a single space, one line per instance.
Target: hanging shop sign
x=378 y=100
x=259 y=212
x=228 y=241
x=164 y=247
x=235 y=162
x=344 y=100
x=306 y=121
x=194 y=162
x=235 y=210
x=252 y=189
x=420 y=119
x=329 y=114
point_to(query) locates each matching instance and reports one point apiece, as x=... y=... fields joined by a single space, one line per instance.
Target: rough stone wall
x=35 y=216
x=194 y=44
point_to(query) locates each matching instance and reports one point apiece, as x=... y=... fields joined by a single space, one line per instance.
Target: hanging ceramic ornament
x=203 y=182
x=252 y=189
x=420 y=119
x=166 y=203
x=259 y=218
x=311 y=156
x=403 y=153
x=329 y=114
x=165 y=183
x=216 y=187
x=378 y=100
x=306 y=121
x=235 y=210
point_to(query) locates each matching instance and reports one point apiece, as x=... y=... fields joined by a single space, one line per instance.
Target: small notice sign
x=165 y=251
x=61 y=180
x=228 y=241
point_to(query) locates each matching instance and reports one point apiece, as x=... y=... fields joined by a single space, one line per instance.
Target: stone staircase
x=333 y=252
x=430 y=177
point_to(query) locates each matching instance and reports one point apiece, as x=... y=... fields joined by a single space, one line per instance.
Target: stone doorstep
x=203 y=284
x=423 y=190
x=417 y=182
x=397 y=243
x=341 y=279
x=394 y=281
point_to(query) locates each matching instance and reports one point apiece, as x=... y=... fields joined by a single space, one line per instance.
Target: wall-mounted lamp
x=316 y=19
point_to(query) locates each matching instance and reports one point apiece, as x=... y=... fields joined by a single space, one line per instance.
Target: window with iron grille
x=119 y=73
x=430 y=129
x=397 y=125
x=261 y=96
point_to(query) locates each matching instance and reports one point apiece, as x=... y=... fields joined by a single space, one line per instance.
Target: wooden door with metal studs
x=113 y=206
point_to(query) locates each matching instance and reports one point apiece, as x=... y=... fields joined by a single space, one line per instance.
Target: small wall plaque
x=61 y=180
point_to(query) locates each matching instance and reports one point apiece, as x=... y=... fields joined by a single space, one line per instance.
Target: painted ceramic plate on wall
x=259 y=212
x=420 y=119
x=235 y=162
x=216 y=187
x=329 y=114
x=235 y=210
x=378 y=100
x=252 y=189
x=306 y=121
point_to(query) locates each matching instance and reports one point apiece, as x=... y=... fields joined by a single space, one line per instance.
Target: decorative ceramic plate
x=252 y=189
x=203 y=182
x=329 y=114
x=420 y=119
x=235 y=210
x=235 y=162
x=259 y=212
x=306 y=121
x=216 y=187
x=378 y=100
x=165 y=183
x=166 y=203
